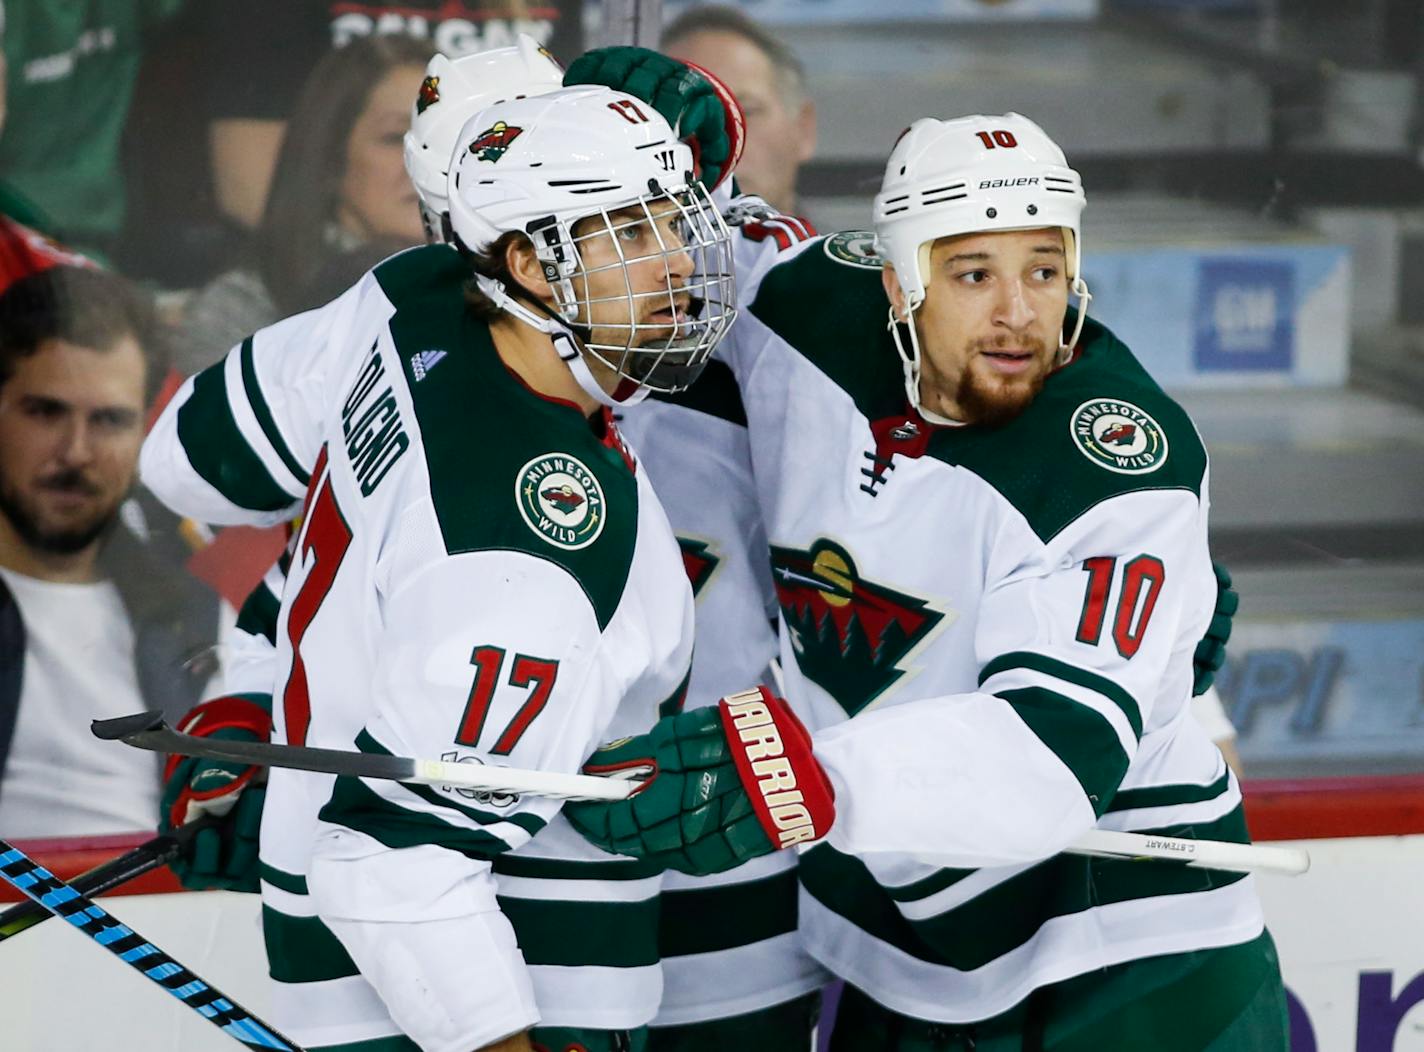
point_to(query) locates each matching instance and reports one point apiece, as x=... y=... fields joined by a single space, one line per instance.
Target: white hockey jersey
x=729 y=942
x=480 y=577
x=990 y=633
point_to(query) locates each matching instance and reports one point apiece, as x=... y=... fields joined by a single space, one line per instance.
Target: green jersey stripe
x=703 y=920
x=531 y=824
x=220 y=452
x=564 y=869
x=1010 y=913
x=258 y=616
x=398 y=1043
x=260 y=410
x=288 y=882
x=1166 y=795
x=571 y=934
x=356 y=807
x=303 y=949
x=1069 y=674
x=1079 y=736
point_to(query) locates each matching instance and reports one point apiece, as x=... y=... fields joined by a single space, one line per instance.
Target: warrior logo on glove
x=763 y=762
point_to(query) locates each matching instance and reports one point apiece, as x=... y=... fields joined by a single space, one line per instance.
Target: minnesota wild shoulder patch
x=560 y=500
x=854 y=248
x=1118 y=436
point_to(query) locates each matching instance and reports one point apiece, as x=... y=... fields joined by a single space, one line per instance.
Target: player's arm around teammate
x=505 y=563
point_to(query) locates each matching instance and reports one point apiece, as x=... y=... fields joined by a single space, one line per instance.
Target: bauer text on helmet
x=980 y=175
x=636 y=258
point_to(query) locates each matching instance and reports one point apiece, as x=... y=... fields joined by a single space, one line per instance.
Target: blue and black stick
x=118 y=938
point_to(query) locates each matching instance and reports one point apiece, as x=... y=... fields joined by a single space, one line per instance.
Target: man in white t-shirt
x=94 y=622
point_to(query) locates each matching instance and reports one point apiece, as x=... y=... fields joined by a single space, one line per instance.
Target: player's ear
x=524 y=267
x=893 y=292
x=806 y=131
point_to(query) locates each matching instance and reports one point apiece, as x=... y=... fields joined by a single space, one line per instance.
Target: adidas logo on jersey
x=423 y=362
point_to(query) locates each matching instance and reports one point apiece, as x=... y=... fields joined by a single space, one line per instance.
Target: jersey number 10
x=1134 y=607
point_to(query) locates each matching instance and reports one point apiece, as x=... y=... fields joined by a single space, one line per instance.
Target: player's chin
x=994 y=400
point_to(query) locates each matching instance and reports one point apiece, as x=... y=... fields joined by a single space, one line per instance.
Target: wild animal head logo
x=1121 y=435
x=428 y=96
x=563 y=497
x=494 y=141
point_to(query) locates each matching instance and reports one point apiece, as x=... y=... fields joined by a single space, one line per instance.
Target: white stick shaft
x=517 y=780
x=1204 y=854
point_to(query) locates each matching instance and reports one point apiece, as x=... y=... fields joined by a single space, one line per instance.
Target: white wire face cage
x=664 y=355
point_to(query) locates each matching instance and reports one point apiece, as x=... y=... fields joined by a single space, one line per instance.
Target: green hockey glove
x=226 y=855
x=728 y=783
x=702 y=110
x=1211 y=651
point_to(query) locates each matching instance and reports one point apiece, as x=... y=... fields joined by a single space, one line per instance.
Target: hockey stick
x=1202 y=854
x=148 y=856
x=147 y=730
x=123 y=942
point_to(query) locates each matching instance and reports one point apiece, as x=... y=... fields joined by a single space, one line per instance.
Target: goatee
x=25 y=519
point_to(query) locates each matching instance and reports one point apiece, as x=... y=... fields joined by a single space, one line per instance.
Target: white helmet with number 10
x=973 y=175
x=453 y=89
x=540 y=165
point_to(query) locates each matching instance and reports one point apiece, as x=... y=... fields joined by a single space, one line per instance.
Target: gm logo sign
x=1245 y=315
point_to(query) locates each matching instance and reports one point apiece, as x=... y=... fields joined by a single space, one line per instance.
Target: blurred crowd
x=173 y=176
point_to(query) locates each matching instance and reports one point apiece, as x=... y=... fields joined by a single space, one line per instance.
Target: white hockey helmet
x=967 y=176
x=539 y=166
x=453 y=90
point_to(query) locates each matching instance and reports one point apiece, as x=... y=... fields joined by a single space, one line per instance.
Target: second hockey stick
x=147 y=730
x=148 y=856
x=43 y=887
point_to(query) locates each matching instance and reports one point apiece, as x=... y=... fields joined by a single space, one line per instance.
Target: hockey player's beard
x=28 y=519
x=990 y=400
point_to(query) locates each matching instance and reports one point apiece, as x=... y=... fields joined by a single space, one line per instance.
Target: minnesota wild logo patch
x=849 y=635
x=854 y=248
x=560 y=500
x=491 y=144
x=1118 y=436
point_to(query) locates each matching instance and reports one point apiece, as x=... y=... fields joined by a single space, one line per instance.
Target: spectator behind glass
x=285 y=39
x=72 y=68
x=341 y=200
x=96 y=619
x=769 y=82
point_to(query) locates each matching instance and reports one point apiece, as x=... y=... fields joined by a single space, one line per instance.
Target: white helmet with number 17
x=586 y=172
x=453 y=90
x=973 y=175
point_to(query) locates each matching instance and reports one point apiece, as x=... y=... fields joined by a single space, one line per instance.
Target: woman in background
x=340 y=199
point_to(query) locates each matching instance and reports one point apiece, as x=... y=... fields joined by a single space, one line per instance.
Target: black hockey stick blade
x=121 y=727
x=148 y=856
x=43 y=887
x=148 y=730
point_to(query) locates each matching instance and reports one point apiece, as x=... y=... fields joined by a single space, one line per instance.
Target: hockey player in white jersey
x=733 y=971
x=453 y=90
x=989 y=542
x=481 y=572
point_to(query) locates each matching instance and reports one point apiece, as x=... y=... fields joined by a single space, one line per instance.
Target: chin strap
x=910 y=360
x=1079 y=289
x=566 y=345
